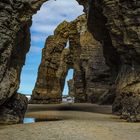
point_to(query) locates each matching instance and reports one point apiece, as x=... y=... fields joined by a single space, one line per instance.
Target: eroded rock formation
x=85 y=55
x=13 y=110
x=52 y=70
x=15 y=22
x=71 y=88
x=115 y=24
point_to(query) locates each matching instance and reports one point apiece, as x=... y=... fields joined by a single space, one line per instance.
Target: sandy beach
x=71 y=122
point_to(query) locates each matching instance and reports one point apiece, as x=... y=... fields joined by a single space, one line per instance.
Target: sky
x=51 y=14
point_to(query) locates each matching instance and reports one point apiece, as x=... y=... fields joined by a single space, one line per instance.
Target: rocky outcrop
x=96 y=73
x=15 y=21
x=50 y=81
x=12 y=111
x=85 y=55
x=128 y=48
x=92 y=75
x=56 y=61
x=115 y=24
x=71 y=88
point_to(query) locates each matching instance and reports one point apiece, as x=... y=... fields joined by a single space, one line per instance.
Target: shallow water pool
x=33 y=120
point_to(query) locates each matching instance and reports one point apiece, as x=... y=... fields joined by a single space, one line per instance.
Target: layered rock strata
x=12 y=111
x=50 y=81
x=85 y=55
x=71 y=92
x=15 y=21
x=96 y=73
x=115 y=24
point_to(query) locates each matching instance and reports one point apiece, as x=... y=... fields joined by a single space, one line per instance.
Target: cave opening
x=68 y=44
x=69 y=76
x=50 y=15
x=68 y=94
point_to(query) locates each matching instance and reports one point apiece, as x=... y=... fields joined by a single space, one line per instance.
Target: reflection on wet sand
x=33 y=120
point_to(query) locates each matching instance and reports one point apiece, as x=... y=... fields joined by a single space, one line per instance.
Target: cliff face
x=71 y=92
x=93 y=75
x=52 y=71
x=15 y=20
x=115 y=24
x=56 y=61
x=97 y=75
x=84 y=55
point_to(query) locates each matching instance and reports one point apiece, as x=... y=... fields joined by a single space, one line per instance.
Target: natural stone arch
x=18 y=35
x=50 y=76
x=83 y=55
x=15 y=21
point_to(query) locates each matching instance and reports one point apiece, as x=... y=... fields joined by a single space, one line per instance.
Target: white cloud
x=42 y=28
x=52 y=9
x=54 y=12
x=35 y=49
x=45 y=21
x=38 y=38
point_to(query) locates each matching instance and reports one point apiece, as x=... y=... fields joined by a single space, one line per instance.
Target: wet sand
x=72 y=122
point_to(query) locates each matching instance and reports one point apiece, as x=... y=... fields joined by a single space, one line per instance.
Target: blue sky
x=51 y=14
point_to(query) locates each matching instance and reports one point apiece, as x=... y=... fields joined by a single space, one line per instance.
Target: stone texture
x=12 y=111
x=15 y=21
x=96 y=72
x=115 y=24
x=50 y=81
x=85 y=55
x=75 y=48
x=71 y=88
x=92 y=75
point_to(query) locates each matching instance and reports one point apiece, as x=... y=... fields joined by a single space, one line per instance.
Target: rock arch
x=84 y=55
x=115 y=24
